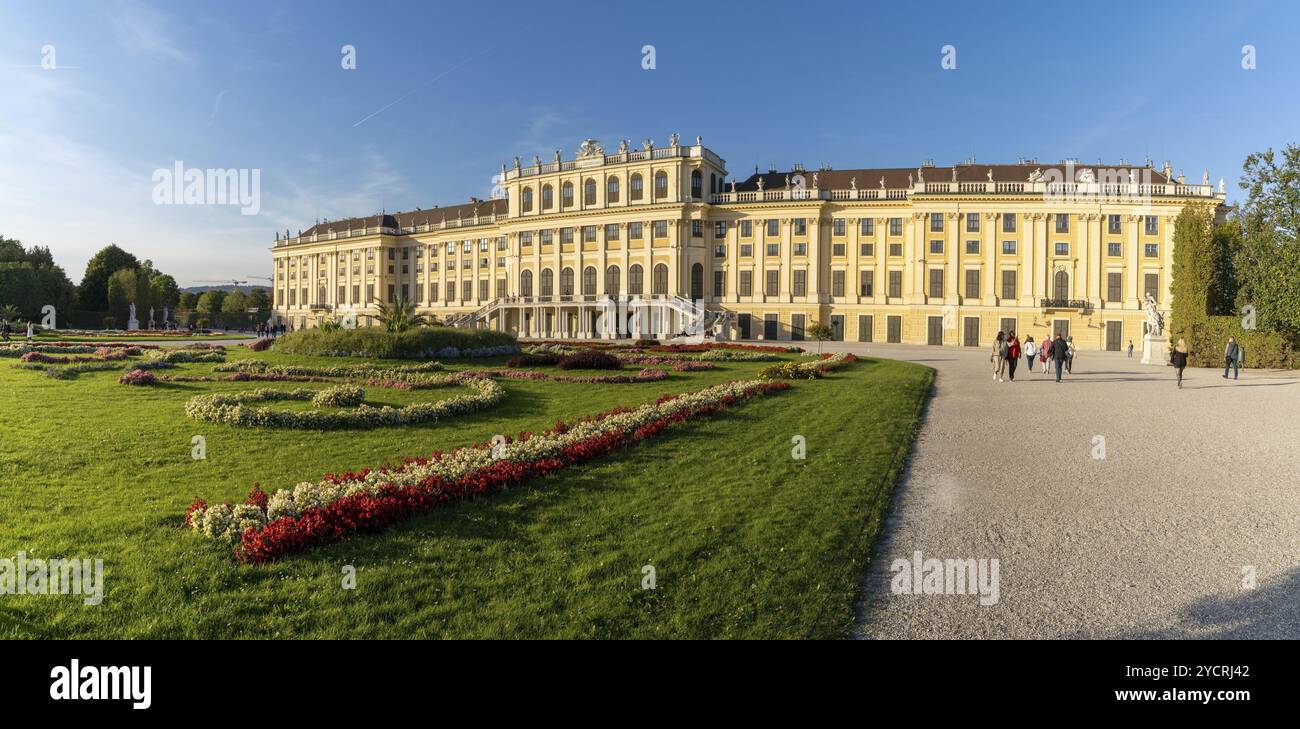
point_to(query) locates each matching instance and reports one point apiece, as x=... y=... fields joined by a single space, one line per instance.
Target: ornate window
x=697 y=184
x=661 y=279
x=526 y=283
x=548 y=282
x=589 y=281
x=526 y=200
x=548 y=197
x=566 y=195
x=589 y=192
x=611 y=190
x=611 y=281
x=635 y=285
x=566 y=282
x=661 y=185
x=636 y=187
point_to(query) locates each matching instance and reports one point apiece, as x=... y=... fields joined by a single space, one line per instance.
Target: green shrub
x=590 y=359
x=1207 y=338
x=646 y=343
x=533 y=360
x=414 y=343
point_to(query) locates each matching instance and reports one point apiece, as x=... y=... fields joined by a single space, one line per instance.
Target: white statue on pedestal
x=131 y=323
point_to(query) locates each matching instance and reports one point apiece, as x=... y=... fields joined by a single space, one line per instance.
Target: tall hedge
x=418 y=343
x=1203 y=290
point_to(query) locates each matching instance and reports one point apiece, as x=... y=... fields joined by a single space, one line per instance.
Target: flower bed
x=708 y=346
x=736 y=355
x=533 y=360
x=260 y=345
x=338 y=506
x=186 y=355
x=138 y=377
x=365 y=369
x=233 y=408
x=590 y=359
x=807 y=370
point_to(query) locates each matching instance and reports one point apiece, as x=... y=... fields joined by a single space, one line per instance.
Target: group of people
x=1234 y=358
x=267 y=329
x=1007 y=350
x=6 y=329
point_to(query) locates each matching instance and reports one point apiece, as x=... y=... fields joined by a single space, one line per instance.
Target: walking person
x=4 y=330
x=1130 y=349
x=1231 y=358
x=1069 y=354
x=29 y=331
x=1013 y=355
x=1059 y=354
x=1030 y=351
x=1045 y=353
x=999 y=356
x=1178 y=358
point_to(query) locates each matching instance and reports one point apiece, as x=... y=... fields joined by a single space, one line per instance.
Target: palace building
x=660 y=241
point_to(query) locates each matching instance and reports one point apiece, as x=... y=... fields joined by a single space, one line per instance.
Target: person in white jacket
x=1030 y=351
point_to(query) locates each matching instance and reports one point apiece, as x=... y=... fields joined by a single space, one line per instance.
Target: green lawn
x=746 y=541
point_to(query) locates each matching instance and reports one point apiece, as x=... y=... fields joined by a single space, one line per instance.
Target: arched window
x=589 y=281
x=611 y=190
x=1061 y=285
x=526 y=283
x=636 y=187
x=589 y=192
x=526 y=200
x=697 y=184
x=548 y=197
x=566 y=195
x=661 y=279
x=634 y=284
x=697 y=281
x=661 y=185
x=566 y=282
x=611 y=281
x=548 y=282
x=713 y=183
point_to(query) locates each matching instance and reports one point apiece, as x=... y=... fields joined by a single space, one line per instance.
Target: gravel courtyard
x=1189 y=527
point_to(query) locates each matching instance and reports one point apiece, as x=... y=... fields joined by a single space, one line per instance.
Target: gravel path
x=1197 y=493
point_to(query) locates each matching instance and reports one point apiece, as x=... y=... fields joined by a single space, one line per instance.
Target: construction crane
x=262 y=278
x=226 y=281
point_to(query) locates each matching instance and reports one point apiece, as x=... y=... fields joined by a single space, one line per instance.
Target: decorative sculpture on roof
x=954 y=173
x=672 y=139
x=557 y=155
x=590 y=148
x=920 y=176
x=853 y=183
x=1220 y=184
x=1036 y=175
x=814 y=180
x=882 y=182
x=648 y=145
x=537 y=160
x=1085 y=175
x=1132 y=177
x=1205 y=176
x=622 y=146
x=699 y=140
x=990 y=174
x=760 y=184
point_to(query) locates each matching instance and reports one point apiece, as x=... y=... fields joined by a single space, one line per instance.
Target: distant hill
x=227 y=288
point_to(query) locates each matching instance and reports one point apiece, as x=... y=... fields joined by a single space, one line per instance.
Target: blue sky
x=462 y=87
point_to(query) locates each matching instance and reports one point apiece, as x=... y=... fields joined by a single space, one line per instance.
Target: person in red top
x=1013 y=355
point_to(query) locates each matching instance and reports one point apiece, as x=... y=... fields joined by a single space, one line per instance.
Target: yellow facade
x=935 y=255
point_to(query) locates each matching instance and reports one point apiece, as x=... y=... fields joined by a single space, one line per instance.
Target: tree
x=399 y=316
x=188 y=301
x=94 y=284
x=164 y=291
x=1267 y=260
x=821 y=333
x=30 y=281
x=234 y=303
x=121 y=294
x=210 y=301
x=260 y=300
